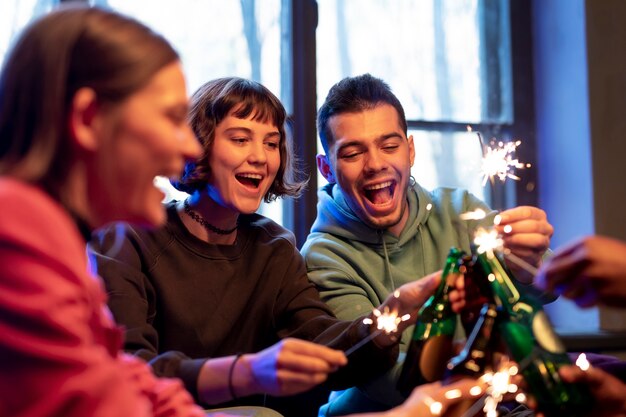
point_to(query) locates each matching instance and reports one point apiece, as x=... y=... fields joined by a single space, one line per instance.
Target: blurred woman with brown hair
x=93 y=106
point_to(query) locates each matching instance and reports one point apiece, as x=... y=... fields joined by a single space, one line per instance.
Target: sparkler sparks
x=498 y=385
x=499 y=161
x=487 y=240
x=477 y=214
x=582 y=362
x=386 y=321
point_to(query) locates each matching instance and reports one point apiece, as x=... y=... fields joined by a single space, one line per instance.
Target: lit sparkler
x=477 y=214
x=498 y=385
x=499 y=161
x=582 y=362
x=387 y=321
x=488 y=240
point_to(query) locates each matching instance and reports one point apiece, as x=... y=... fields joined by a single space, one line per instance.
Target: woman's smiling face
x=244 y=160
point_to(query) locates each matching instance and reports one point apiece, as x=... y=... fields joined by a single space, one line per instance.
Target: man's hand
x=526 y=233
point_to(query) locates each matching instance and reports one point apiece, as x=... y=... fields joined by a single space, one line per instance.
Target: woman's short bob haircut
x=242 y=98
x=68 y=49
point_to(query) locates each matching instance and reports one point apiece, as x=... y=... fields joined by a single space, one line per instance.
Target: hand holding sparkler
x=288 y=367
x=525 y=233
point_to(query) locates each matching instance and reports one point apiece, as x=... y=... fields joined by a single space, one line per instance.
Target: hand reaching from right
x=608 y=391
x=589 y=271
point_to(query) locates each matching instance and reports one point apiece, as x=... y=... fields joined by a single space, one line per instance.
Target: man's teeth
x=378 y=186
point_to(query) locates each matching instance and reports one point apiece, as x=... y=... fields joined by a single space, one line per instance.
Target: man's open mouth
x=380 y=193
x=250 y=180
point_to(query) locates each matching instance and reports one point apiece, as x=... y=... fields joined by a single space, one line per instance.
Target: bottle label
x=545 y=335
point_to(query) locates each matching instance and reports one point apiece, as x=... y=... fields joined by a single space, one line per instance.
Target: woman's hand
x=289 y=367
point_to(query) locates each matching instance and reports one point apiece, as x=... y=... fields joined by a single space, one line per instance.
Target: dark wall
x=606 y=52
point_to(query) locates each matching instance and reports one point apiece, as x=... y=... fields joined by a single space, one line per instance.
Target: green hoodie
x=356 y=267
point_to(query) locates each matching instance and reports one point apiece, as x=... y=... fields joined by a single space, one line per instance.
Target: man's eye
x=390 y=148
x=350 y=155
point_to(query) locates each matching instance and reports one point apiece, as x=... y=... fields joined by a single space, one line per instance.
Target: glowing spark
x=388 y=321
x=452 y=394
x=476 y=390
x=487 y=240
x=499 y=161
x=582 y=362
x=436 y=408
x=429 y=206
x=508 y=228
x=473 y=215
x=498 y=384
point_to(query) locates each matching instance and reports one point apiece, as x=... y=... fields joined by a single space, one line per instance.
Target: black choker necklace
x=204 y=223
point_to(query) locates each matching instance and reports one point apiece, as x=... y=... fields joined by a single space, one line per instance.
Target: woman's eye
x=272 y=145
x=239 y=140
x=177 y=118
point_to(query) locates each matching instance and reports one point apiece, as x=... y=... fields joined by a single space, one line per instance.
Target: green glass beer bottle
x=533 y=344
x=476 y=358
x=431 y=345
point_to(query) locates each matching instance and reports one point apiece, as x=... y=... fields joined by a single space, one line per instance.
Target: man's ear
x=325 y=169
x=82 y=119
x=411 y=149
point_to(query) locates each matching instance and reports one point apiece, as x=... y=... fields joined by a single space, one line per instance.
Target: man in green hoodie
x=377 y=229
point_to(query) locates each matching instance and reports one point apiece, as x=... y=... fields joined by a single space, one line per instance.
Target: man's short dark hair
x=353 y=95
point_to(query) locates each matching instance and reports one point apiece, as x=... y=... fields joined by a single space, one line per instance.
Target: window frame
x=300 y=214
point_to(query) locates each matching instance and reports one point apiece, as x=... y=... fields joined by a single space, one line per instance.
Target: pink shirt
x=59 y=347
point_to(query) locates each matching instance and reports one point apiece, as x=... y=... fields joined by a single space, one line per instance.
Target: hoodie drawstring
x=387 y=263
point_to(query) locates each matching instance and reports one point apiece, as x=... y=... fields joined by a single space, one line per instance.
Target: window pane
x=217 y=38
x=15 y=14
x=448 y=159
x=446 y=60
